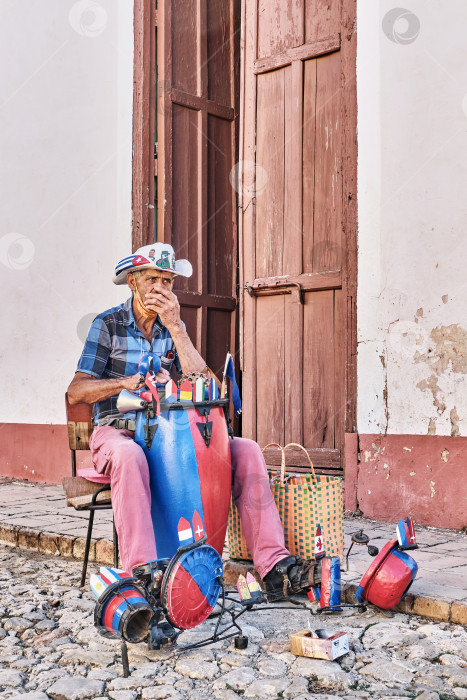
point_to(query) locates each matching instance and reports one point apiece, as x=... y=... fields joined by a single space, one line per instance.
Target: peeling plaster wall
x=416 y=475
x=65 y=189
x=412 y=211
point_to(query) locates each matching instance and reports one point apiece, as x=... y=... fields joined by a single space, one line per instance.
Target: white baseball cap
x=158 y=256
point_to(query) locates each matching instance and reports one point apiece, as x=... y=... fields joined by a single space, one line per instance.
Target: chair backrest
x=79 y=423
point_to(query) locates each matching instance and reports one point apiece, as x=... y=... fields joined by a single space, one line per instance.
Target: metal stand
x=219 y=634
x=226 y=629
x=360 y=538
x=93 y=507
x=125 y=664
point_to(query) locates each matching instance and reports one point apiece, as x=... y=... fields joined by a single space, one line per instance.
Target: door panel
x=184 y=45
x=193 y=327
x=219 y=213
x=217 y=345
x=270 y=153
x=280 y=26
x=322 y=18
x=318 y=377
x=309 y=165
x=185 y=171
x=218 y=51
x=270 y=369
x=327 y=234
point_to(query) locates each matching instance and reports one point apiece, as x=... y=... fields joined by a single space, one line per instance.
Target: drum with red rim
x=190 y=477
x=191 y=586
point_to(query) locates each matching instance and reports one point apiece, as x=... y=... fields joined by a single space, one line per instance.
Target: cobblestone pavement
x=35 y=516
x=49 y=648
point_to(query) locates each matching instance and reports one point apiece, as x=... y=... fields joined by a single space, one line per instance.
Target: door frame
x=144 y=116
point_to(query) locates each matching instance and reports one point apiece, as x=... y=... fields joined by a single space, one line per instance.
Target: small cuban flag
x=125 y=263
x=185 y=533
x=319 y=544
x=152 y=386
x=131 y=261
x=229 y=371
x=140 y=260
x=405 y=531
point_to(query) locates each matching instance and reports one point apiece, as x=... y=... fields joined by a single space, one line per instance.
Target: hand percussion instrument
x=122 y=609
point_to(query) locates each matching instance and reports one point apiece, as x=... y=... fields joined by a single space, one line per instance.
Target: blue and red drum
x=191 y=586
x=190 y=476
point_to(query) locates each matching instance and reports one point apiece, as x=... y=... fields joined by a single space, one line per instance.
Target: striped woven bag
x=303 y=501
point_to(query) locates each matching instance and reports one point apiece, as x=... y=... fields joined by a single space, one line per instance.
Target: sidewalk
x=36 y=517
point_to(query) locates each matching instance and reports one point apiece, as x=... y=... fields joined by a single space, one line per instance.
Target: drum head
x=190 y=588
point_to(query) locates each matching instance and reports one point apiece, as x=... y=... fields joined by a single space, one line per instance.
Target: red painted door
x=298 y=225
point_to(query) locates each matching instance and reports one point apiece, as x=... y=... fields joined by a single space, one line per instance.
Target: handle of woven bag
x=276 y=444
x=312 y=469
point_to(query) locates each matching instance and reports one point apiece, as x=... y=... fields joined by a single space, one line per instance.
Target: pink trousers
x=119 y=460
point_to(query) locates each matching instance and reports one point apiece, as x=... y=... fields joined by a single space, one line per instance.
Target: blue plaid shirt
x=114 y=347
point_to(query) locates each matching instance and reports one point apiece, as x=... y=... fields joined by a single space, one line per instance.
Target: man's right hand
x=134 y=382
x=88 y=389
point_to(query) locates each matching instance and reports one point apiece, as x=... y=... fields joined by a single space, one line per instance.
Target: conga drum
x=190 y=478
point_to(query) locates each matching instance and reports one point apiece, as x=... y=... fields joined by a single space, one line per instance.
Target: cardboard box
x=303 y=644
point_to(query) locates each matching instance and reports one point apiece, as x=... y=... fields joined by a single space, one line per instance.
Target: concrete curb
x=101 y=552
x=413 y=604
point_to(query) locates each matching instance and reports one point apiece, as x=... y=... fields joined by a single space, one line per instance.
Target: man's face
x=152 y=281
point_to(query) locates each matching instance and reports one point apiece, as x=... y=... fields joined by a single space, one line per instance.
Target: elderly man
x=150 y=322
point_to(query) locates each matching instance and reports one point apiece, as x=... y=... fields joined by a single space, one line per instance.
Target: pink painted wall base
x=37 y=452
x=423 y=476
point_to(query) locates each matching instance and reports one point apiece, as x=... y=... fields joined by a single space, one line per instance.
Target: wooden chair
x=81 y=493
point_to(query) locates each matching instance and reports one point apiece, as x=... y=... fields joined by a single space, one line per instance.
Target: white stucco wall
x=412 y=211
x=65 y=188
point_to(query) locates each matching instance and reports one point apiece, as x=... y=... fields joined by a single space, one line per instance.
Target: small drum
x=190 y=473
x=123 y=611
x=191 y=586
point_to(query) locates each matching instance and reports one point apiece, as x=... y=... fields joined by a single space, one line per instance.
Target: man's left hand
x=163 y=376
x=166 y=304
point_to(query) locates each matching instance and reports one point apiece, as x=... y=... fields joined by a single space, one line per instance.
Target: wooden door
x=298 y=225
x=195 y=49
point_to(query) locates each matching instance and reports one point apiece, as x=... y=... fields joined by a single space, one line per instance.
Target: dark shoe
x=290 y=576
x=161 y=632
